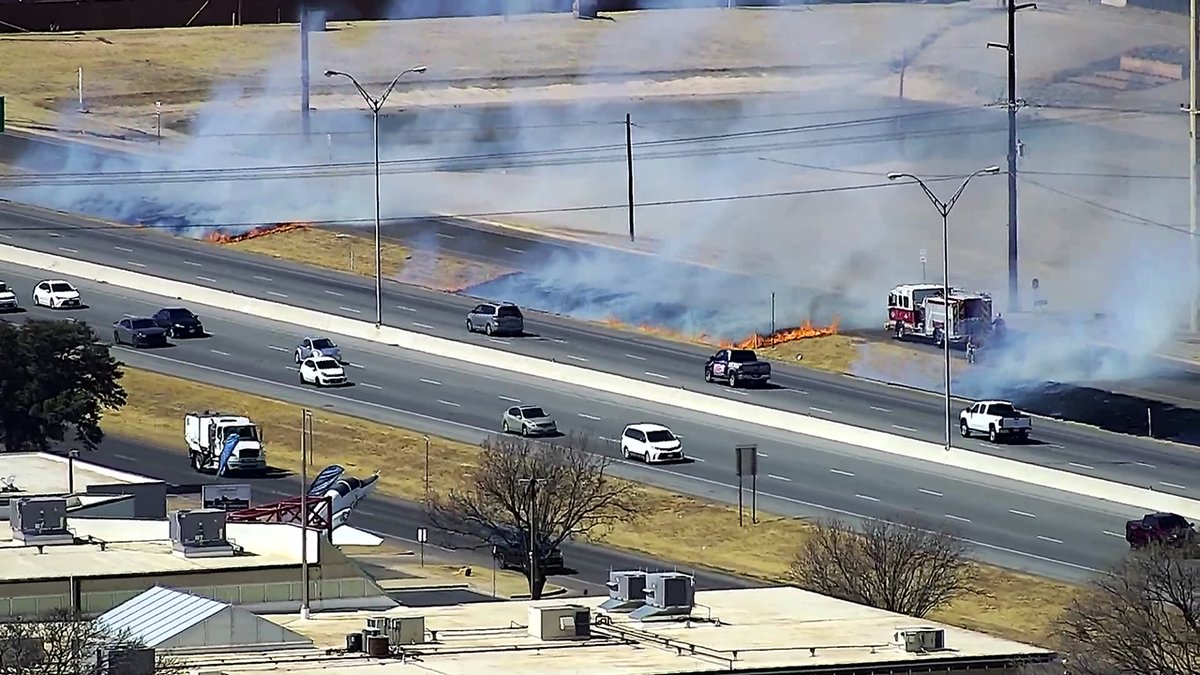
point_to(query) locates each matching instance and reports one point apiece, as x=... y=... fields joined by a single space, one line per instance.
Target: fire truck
x=918 y=312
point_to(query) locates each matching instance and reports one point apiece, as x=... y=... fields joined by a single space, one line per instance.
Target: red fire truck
x=918 y=312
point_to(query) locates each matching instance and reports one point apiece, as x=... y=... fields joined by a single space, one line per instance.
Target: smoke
x=825 y=117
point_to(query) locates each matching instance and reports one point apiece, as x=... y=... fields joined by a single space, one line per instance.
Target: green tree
x=57 y=380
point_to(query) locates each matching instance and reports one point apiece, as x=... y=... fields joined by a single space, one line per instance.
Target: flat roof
x=768 y=627
x=143 y=547
x=42 y=474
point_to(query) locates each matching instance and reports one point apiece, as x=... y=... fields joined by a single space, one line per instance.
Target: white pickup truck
x=996 y=419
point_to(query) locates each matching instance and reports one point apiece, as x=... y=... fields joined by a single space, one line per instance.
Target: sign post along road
x=226 y=497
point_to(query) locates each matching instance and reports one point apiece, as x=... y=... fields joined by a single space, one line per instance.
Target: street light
x=944 y=209
x=375 y=104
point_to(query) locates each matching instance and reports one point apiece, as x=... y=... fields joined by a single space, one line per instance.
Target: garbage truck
x=221 y=442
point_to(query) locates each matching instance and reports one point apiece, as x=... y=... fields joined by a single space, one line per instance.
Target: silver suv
x=495 y=318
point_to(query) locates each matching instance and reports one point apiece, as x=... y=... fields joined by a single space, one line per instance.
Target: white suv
x=651 y=443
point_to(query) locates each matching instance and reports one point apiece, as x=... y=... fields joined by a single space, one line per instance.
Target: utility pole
x=1193 y=160
x=534 y=546
x=629 y=167
x=305 y=440
x=304 y=83
x=1014 y=291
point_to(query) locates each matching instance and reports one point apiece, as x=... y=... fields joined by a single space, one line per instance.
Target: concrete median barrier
x=606 y=382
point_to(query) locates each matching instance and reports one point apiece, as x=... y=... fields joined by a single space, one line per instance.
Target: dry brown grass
x=836 y=353
x=356 y=254
x=675 y=527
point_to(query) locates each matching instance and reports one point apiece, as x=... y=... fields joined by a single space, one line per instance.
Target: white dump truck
x=215 y=439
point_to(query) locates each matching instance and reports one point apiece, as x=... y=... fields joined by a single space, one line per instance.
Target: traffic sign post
x=923 y=261
x=747 y=465
x=422 y=537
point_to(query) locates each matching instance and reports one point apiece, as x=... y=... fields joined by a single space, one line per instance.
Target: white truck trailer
x=219 y=442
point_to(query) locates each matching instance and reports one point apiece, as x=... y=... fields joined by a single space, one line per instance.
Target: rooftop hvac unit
x=920 y=639
x=560 y=622
x=668 y=594
x=626 y=591
x=200 y=533
x=114 y=660
x=406 y=630
x=40 y=521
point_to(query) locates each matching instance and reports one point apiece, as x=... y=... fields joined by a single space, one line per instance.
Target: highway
x=1009 y=523
x=1166 y=467
x=397 y=519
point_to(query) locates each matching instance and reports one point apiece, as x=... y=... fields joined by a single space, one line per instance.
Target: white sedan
x=322 y=371
x=56 y=294
x=651 y=443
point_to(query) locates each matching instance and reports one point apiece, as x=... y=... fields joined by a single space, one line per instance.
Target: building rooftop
x=42 y=474
x=730 y=630
x=139 y=547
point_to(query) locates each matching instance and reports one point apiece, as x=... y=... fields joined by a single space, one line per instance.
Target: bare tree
x=1140 y=616
x=555 y=489
x=903 y=566
x=64 y=643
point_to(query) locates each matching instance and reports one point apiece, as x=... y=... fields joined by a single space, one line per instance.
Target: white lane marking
x=577 y=358
x=513 y=250
x=783 y=478
x=509 y=399
x=217 y=351
x=278 y=295
x=1177 y=486
x=1114 y=534
x=1081 y=466
x=55 y=235
x=127 y=458
x=636 y=358
x=433 y=382
x=762 y=454
x=452 y=404
x=406 y=309
x=1148 y=466
x=908 y=429
x=958 y=518
x=820 y=410
x=279 y=349
x=6 y=236
x=193 y=264
x=122 y=249
x=1054 y=445
x=499 y=342
x=1021 y=513
x=135 y=264
x=875 y=407
x=357 y=365
x=349 y=309
x=334 y=293
x=208 y=279
x=867 y=497
x=739 y=392
x=697 y=459
x=606 y=439
x=1052 y=540
x=443 y=235
x=262 y=278
x=368 y=384
x=930 y=492
x=68 y=250
x=422 y=325
x=798 y=391
x=558 y=341
x=841 y=473
x=589 y=417
x=662 y=377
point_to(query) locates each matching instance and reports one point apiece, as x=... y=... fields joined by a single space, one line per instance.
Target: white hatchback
x=322 y=371
x=651 y=443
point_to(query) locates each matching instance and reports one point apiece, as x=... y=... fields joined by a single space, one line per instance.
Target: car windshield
x=659 y=436
x=143 y=323
x=246 y=433
x=1172 y=522
x=508 y=311
x=533 y=412
x=1002 y=409
x=742 y=356
x=3 y=287
x=61 y=288
x=328 y=364
x=323 y=343
x=179 y=314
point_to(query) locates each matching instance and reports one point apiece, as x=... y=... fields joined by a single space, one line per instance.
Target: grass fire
x=783 y=335
x=218 y=237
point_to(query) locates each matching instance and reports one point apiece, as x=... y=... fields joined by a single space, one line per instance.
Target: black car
x=179 y=322
x=139 y=331
x=510 y=549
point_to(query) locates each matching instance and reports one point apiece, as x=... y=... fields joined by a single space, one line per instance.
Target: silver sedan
x=528 y=420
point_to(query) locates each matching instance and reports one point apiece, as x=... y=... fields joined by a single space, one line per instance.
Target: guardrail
x=614 y=384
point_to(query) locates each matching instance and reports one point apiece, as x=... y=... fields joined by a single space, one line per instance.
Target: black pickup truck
x=1159 y=528
x=737 y=366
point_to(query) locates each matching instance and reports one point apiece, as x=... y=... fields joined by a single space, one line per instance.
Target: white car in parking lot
x=56 y=294
x=651 y=443
x=323 y=371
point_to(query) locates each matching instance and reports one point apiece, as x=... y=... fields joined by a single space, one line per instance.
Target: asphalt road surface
x=1010 y=523
x=1166 y=467
x=394 y=518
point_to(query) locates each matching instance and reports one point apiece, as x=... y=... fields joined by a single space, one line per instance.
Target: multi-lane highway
x=1075 y=448
x=1011 y=523
x=397 y=519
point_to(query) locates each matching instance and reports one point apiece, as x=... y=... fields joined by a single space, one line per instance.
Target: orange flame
x=216 y=237
x=801 y=332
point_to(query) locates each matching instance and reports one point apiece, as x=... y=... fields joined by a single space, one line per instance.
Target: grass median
x=674 y=527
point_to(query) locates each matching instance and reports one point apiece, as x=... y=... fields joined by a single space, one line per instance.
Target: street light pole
x=943 y=209
x=375 y=104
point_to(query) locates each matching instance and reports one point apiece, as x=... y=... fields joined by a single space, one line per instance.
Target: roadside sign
x=923 y=259
x=227 y=497
x=422 y=535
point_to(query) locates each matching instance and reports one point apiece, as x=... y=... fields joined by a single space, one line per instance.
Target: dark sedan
x=139 y=331
x=179 y=322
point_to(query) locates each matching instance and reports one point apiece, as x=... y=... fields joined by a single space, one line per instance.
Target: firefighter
x=971 y=347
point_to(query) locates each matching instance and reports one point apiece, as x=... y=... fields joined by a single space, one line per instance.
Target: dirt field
x=676 y=527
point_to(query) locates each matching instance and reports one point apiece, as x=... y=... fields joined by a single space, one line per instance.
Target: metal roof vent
x=626 y=591
x=40 y=521
x=668 y=594
x=200 y=533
